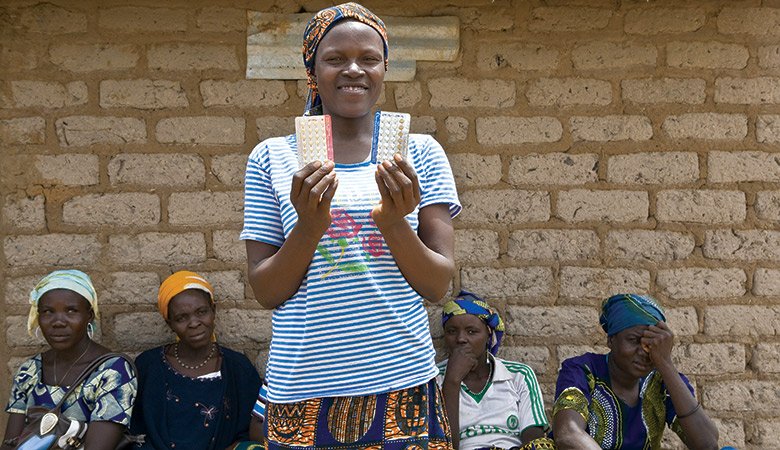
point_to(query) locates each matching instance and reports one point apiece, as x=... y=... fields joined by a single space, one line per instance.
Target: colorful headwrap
x=468 y=303
x=72 y=280
x=316 y=29
x=627 y=310
x=178 y=283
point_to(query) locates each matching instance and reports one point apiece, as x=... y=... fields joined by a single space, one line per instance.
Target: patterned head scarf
x=316 y=29
x=627 y=310
x=178 y=283
x=468 y=303
x=72 y=280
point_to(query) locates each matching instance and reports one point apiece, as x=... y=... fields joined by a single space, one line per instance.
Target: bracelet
x=696 y=408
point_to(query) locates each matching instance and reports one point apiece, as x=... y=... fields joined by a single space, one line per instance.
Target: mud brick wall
x=599 y=147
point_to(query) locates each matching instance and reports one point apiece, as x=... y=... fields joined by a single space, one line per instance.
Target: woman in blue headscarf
x=623 y=399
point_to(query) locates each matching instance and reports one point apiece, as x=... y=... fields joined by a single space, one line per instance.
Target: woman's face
x=466 y=330
x=349 y=69
x=627 y=352
x=63 y=316
x=191 y=316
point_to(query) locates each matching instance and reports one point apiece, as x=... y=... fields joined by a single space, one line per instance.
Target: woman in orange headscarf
x=193 y=394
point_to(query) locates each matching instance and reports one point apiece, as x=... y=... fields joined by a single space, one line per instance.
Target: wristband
x=691 y=412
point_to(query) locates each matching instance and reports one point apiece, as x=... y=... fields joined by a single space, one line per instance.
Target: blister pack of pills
x=391 y=135
x=315 y=142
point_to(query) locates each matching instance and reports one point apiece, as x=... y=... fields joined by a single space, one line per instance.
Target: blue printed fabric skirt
x=412 y=419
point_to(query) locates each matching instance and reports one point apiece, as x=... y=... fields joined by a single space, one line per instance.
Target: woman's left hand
x=400 y=191
x=658 y=341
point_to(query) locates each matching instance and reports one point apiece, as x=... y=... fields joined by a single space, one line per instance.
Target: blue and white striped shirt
x=355 y=326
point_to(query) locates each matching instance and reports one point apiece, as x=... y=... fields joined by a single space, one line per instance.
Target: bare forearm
x=427 y=271
x=451 y=393
x=570 y=434
x=700 y=432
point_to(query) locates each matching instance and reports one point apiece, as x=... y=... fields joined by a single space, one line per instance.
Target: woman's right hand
x=462 y=361
x=313 y=188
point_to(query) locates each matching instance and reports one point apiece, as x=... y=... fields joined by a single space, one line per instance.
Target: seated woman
x=64 y=307
x=193 y=394
x=490 y=402
x=622 y=400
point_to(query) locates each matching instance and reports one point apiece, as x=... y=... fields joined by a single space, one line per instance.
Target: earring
x=37 y=331
x=90 y=330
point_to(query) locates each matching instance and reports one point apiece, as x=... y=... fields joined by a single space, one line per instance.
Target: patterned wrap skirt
x=412 y=419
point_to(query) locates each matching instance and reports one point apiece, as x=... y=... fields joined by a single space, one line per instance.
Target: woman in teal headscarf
x=623 y=399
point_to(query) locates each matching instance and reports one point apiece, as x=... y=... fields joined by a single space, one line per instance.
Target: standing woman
x=193 y=394
x=64 y=307
x=345 y=251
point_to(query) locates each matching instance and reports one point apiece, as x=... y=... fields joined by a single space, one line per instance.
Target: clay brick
x=493 y=19
x=582 y=205
x=229 y=169
x=536 y=357
x=268 y=127
x=683 y=321
x=747 y=91
x=407 y=95
x=17 y=290
x=766 y=358
x=24 y=213
x=613 y=55
x=471 y=169
x=123 y=209
x=663 y=20
x=768 y=205
x=739 y=395
x=699 y=282
x=563 y=19
x=457 y=129
x=518 y=56
x=244 y=327
x=461 y=93
x=611 y=128
x=132 y=19
x=22 y=56
x=141 y=330
x=243 y=94
x=648 y=245
x=709 y=359
x=664 y=90
x=570 y=351
x=727 y=167
x=701 y=206
x=142 y=94
x=48 y=94
x=766 y=282
x=600 y=283
x=764 y=433
x=730 y=432
x=769 y=56
x=68 y=169
x=177 y=170
x=568 y=92
x=82 y=131
x=206 y=208
x=553 y=245
x=93 y=57
x=706 y=55
x=653 y=168
x=157 y=248
x=708 y=126
x=554 y=169
x=23 y=130
x=742 y=20
x=130 y=288
x=558 y=321
x=203 y=130
x=16 y=333
x=768 y=128
x=51 y=19
x=754 y=320
x=228 y=285
x=742 y=245
x=227 y=247
x=186 y=57
x=493 y=131
x=52 y=249
x=476 y=246
x=504 y=206
x=423 y=125
x=523 y=282
x=220 y=20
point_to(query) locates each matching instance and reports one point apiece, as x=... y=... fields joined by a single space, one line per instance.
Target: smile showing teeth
x=352 y=88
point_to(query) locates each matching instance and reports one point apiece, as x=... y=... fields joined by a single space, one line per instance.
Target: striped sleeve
x=262 y=212
x=531 y=403
x=437 y=184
